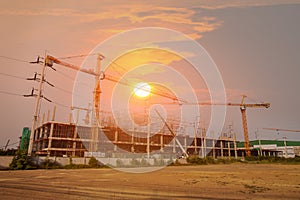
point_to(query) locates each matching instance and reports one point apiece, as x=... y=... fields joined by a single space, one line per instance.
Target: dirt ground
x=232 y=181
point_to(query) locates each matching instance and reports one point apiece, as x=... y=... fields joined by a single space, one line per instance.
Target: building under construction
x=67 y=139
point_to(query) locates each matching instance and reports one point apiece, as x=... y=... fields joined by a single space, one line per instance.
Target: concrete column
x=213 y=145
x=39 y=136
x=74 y=143
x=204 y=144
x=43 y=139
x=50 y=138
x=185 y=145
x=161 y=143
x=195 y=138
x=116 y=136
x=221 y=142
x=228 y=146
x=285 y=148
x=174 y=144
x=202 y=147
x=132 y=142
x=116 y=140
x=235 y=149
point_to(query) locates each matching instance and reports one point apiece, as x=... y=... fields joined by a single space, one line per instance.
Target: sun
x=142 y=89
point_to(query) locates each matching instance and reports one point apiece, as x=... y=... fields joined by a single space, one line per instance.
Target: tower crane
x=243 y=107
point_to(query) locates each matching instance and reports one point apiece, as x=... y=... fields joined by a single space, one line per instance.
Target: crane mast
x=245 y=126
x=243 y=107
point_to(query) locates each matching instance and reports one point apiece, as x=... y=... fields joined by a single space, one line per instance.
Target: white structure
x=285 y=151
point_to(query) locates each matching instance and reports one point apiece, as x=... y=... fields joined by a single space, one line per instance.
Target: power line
x=19 y=77
x=66 y=91
x=71 y=78
x=11 y=93
x=65 y=75
x=61 y=89
x=15 y=59
x=59 y=104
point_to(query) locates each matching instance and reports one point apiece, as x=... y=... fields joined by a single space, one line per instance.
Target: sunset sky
x=255 y=45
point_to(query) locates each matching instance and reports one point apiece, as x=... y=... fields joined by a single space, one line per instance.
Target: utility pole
x=37 y=103
x=259 y=140
x=285 y=148
x=258 y=137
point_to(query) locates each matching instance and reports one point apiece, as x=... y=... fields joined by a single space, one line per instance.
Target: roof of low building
x=279 y=143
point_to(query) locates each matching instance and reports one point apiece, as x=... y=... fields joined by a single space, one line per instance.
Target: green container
x=25 y=139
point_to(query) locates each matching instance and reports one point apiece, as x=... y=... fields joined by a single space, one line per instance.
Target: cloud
x=116 y=18
x=110 y=18
x=127 y=17
x=220 y=4
x=37 y=12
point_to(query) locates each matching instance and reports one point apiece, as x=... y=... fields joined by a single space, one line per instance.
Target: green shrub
x=135 y=162
x=49 y=164
x=119 y=163
x=176 y=163
x=8 y=152
x=250 y=159
x=159 y=162
x=93 y=162
x=210 y=160
x=144 y=163
x=21 y=161
x=194 y=159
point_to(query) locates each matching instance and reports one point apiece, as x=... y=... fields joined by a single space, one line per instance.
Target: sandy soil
x=233 y=181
